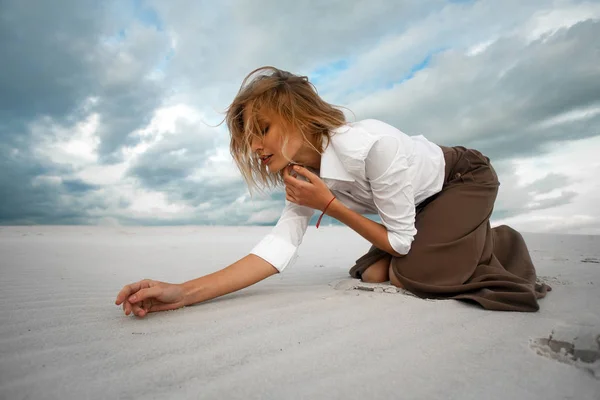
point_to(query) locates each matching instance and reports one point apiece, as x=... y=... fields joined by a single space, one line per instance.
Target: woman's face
x=270 y=146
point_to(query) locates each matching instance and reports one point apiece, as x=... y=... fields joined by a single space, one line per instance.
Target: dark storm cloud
x=174 y=158
x=128 y=95
x=45 y=57
x=55 y=57
x=24 y=200
x=169 y=166
x=76 y=186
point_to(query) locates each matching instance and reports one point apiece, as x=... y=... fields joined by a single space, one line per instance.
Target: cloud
x=499 y=99
x=518 y=198
x=107 y=110
x=538 y=193
x=173 y=158
x=548 y=183
x=62 y=70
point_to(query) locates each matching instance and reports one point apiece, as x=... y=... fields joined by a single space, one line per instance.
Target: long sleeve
x=280 y=246
x=387 y=169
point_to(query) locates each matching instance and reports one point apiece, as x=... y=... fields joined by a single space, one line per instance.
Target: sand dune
x=307 y=333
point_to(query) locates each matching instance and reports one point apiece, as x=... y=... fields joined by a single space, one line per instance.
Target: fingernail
x=296 y=168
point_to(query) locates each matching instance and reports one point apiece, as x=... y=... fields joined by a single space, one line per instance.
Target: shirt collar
x=331 y=165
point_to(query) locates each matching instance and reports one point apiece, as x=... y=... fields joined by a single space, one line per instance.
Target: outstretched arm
x=243 y=273
x=146 y=296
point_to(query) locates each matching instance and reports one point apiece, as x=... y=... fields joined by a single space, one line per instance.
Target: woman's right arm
x=242 y=273
x=271 y=255
x=146 y=296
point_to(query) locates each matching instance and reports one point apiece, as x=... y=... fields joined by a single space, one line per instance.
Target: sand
x=307 y=333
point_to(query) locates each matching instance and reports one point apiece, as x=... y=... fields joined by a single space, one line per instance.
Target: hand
x=314 y=193
x=148 y=296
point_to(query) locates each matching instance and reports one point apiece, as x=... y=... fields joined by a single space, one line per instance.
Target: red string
x=319 y=221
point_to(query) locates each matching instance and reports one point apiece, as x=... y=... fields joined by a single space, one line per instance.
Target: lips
x=266 y=159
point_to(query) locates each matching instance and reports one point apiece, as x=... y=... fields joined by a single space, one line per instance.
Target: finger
x=290 y=180
x=288 y=171
x=290 y=190
x=304 y=172
x=127 y=307
x=146 y=305
x=296 y=183
x=290 y=198
x=127 y=290
x=144 y=294
x=137 y=310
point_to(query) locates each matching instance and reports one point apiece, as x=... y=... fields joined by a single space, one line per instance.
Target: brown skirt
x=455 y=253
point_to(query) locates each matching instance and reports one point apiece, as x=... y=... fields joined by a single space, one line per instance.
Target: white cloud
x=155 y=204
x=73 y=145
x=580 y=114
x=219 y=167
x=562 y=14
x=578 y=161
x=498 y=98
x=102 y=174
x=515 y=79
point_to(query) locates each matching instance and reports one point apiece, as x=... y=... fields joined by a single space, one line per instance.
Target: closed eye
x=265 y=130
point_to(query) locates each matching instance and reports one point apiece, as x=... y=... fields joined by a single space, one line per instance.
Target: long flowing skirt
x=455 y=253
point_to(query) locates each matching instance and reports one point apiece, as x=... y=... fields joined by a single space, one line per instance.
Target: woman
x=435 y=202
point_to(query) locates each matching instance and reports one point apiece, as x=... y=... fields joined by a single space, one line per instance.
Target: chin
x=274 y=168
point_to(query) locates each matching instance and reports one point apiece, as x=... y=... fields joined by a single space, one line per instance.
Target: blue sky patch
x=146 y=14
x=321 y=73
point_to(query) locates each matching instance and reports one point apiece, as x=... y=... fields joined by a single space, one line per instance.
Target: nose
x=255 y=144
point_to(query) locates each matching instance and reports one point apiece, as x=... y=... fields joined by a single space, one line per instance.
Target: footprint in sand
x=591 y=260
x=553 y=280
x=576 y=345
x=357 y=284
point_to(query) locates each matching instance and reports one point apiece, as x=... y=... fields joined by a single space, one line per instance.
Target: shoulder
x=355 y=139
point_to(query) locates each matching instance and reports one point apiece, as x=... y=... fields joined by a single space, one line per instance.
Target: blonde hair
x=294 y=99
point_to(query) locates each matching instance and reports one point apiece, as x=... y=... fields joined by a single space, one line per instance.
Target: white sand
x=291 y=336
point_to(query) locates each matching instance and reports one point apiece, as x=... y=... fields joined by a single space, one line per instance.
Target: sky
x=110 y=111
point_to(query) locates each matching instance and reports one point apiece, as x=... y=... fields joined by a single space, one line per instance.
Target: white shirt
x=372 y=168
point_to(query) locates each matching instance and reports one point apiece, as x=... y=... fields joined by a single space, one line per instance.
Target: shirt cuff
x=400 y=243
x=276 y=251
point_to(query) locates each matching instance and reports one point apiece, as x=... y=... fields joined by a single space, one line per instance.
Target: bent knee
x=394 y=279
x=377 y=273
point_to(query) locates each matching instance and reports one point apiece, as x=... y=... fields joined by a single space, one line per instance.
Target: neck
x=308 y=157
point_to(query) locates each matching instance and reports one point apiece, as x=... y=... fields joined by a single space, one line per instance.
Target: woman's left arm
x=316 y=194
x=372 y=231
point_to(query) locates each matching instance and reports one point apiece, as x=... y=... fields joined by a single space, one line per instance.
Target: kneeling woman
x=435 y=239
